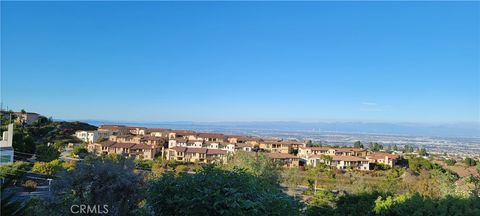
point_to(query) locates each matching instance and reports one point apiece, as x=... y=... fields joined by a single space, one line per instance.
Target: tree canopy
x=214 y=191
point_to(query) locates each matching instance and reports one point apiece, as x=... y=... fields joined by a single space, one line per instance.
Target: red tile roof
x=122 y=145
x=211 y=135
x=107 y=143
x=197 y=150
x=216 y=152
x=141 y=146
x=281 y=156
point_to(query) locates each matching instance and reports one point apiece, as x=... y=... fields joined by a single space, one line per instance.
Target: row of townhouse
x=281 y=146
x=345 y=158
x=201 y=155
x=135 y=150
x=174 y=144
x=229 y=147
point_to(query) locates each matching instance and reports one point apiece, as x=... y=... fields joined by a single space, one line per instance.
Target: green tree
x=395 y=147
x=292 y=179
x=322 y=203
x=217 y=192
x=450 y=162
x=375 y=147
x=357 y=144
x=422 y=152
x=47 y=153
x=470 y=162
x=80 y=151
x=257 y=164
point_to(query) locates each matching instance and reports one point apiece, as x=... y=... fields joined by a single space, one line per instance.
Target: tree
x=450 y=162
x=395 y=147
x=470 y=162
x=80 y=151
x=375 y=147
x=407 y=149
x=422 y=152
x=258 y=164
x=96 y=181
x=47 y=153
x=213 y=191
x=23 y=142
x=322 y=204
x=292 y=179
x=357 y=144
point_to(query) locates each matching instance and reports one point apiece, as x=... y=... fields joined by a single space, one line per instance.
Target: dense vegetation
x=44 y=138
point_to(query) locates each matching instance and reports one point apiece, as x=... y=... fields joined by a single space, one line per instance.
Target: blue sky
x=243 y=61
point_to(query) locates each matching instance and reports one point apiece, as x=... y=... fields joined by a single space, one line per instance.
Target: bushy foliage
x=47 y=168
x=470 y=162
x=47 y=153
x=375 y=147
x=450 y=162
x=99 y=181
x=80 y=151
x=14 y=173
x=407 y=204
x=417 y=163
x=217 y=192
x=256 y=164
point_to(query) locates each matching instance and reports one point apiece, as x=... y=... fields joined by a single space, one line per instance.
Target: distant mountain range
x=470 y=130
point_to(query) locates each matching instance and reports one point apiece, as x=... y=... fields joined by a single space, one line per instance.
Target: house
x=26 y=117
x=311 y=159
x=6 y=149
x=229 y=147
x=100 y=148
x=383 y=158
x=177 y=142
x=237 y=139
x=184 y=134
x=138 y=151
x=158 y=132
x=201 y=155
x=216 y=137
x=154 y=140
x=304 y=151
x=357 y=152
x=143 y=151
x=92 y=136
x=348 y=162
x=195 y=143
x=244 y=147
x=286 y=160
x=276 y=146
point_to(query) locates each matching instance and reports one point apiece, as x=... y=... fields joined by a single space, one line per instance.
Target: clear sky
x=243 y=61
